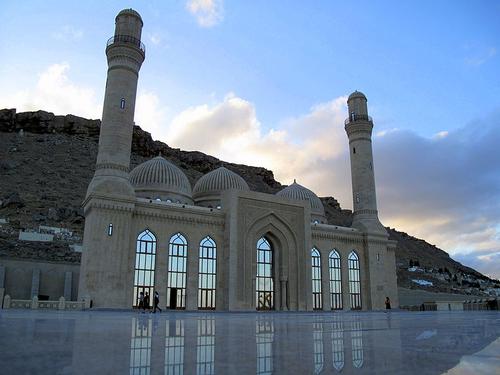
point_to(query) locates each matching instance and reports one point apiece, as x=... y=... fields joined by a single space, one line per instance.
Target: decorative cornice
x=365 y=212
x=344 y=237
x=191 y=219
x=112 y=166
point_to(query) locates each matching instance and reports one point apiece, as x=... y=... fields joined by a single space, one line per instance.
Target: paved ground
x=38 y=342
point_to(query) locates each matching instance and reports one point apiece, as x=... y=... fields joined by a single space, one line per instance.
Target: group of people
x=144 y=302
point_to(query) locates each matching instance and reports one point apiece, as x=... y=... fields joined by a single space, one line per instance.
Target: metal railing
x=127 y=39
x=354 y=118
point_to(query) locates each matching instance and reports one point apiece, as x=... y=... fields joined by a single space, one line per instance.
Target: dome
x=300 y=193
x=357 y=94
x=129 y=12
x=209 y=187
x=159 y=178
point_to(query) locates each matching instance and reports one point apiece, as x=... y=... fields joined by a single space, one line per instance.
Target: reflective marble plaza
x=249 y=343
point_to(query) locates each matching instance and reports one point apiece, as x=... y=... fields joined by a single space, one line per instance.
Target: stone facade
x=266 y=251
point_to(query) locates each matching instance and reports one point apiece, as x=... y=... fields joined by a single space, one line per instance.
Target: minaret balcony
x=127 y=40
x=355 y=118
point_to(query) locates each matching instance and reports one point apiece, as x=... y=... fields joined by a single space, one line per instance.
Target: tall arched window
x=207 y=274
x=354 y=281
x=264 y=279
x=144 y=275
x=335 y=280
x=316 y=279
x=177 y=264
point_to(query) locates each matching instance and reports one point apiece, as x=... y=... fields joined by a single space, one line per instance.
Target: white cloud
x=149 y=114
x=479 y=57
x=155 y=38
x=55 y=92
x=208 y=13
x=68 y=33
x=297 y=148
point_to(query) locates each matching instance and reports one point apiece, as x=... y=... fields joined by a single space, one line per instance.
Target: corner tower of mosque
x=219 y=245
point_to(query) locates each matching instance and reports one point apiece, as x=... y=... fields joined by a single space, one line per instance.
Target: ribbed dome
x=158 y=177
x=300 y=193
x=356 y=94
x=217 y=181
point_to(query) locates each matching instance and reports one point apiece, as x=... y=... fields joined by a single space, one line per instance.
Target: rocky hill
x=47 y=161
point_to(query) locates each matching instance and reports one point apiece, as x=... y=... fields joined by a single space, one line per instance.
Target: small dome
x=159 y=178
x=129 y=12
x=300 y=193
x=357 y=94
x=210 y=186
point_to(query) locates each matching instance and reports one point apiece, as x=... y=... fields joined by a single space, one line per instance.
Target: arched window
x=144 y=275
x=207 y=274
x=316 y=279
x=354 y=281
x=335 y=280
x=264 y=279
x=177 y=264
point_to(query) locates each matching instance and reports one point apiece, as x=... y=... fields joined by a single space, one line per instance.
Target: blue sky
x=264 y=83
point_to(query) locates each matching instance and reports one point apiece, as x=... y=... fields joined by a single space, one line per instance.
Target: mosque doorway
x=173 y=299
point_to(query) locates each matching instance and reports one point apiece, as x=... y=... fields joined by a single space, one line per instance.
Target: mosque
x=219 y=245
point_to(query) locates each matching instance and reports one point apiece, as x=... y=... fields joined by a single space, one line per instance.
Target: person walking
x=387 y=303
x=156 y=302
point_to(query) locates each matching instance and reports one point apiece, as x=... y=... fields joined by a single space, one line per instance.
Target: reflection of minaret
x=140 y=346
x=174 y=347
x=264 y=336
x=205 y=346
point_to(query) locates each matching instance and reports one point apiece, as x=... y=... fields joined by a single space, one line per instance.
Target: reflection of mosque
x=328 y=345
x=266 y=343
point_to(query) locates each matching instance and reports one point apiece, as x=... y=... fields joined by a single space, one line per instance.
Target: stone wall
x=25 y=278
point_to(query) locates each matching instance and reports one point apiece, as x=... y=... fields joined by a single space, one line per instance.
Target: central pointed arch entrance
x=272 y=259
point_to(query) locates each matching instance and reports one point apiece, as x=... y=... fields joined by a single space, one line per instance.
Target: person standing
x=156 y=302
x=387 y=303
x=141 y=300
x=146 y=301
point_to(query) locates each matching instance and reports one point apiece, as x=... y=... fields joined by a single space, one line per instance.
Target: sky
x=265 y=83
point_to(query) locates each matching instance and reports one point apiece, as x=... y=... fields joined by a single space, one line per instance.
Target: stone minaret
x=106 y=271
x=125 y=54
x=359 y=131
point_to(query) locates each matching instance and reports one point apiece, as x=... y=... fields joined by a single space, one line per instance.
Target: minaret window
x=354 y=281
x=316 y=279
x=110 y=229
x=122 y=103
